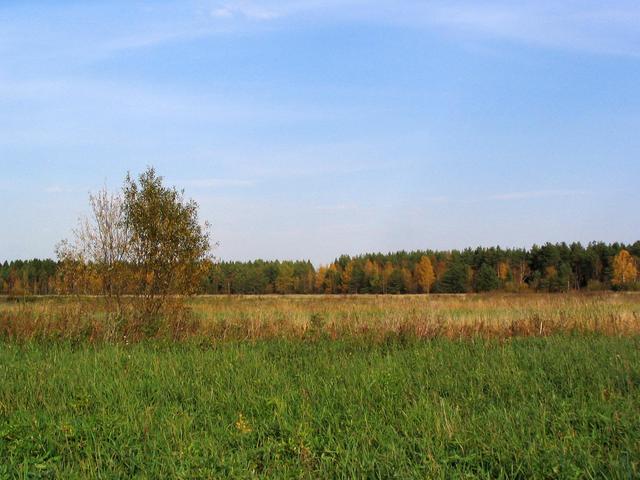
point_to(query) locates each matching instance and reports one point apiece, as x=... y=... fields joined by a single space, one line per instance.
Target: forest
x=548 y=268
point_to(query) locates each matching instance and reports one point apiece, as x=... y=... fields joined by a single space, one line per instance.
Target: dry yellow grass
x=309 y=317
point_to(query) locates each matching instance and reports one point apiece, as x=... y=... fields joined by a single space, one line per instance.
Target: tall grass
x=313 y=317
x=558 y=407
x=478 y=386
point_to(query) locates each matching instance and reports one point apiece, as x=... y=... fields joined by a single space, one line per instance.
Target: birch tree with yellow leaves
x=625 y=271
x=425 y=275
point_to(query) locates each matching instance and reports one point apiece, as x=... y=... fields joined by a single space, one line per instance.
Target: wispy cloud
x=589 y=26
x=65 y=110
x=251 y=12
x=611 y=27
x=188 y=25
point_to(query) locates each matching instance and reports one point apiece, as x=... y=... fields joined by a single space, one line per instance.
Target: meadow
x=311 y=317
x=476 y=386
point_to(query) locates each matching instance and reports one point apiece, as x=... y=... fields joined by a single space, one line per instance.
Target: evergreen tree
x=455 y=279
x=487 y=279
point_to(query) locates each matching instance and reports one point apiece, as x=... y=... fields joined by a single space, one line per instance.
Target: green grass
x=561 y=406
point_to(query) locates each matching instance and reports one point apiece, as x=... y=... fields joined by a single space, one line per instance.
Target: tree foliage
x=625 y=271
x=97 y=254
x=424 y=274
x=547 y=268
x=147 y=242
x=168 y=246
x=487 y=279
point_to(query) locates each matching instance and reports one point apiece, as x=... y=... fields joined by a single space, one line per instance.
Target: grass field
x=296 y=387
x=373 y=317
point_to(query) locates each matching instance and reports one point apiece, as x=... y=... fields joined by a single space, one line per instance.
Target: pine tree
x=487 y=279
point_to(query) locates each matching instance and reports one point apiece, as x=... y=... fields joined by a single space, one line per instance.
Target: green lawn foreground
x=564 y=406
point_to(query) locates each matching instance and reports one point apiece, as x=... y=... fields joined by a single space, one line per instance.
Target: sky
x=306 y=129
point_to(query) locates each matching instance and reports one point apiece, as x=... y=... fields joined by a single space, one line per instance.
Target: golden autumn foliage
x=503 y=270
x=331 y=279
x=387 y=271
x=372 y=275
x=625 y=270
x=425 y=275
x=319 y=280
x=440 y=269
x=408 y=283
x=347 y=275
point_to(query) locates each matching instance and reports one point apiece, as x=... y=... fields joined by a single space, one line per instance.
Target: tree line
x=548 y=268
x=146 y=242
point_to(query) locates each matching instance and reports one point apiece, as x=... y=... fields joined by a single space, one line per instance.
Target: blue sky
x=307 y=129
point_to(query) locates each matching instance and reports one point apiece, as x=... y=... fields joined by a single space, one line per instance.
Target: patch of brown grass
x=373 y=317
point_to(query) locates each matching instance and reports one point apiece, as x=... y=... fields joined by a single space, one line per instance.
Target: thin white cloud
x=221 y=19
x=63 y=111
x=593 y=27
x=142 y=100
x=222 y=12
x=246 y=12
x=611 y=27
